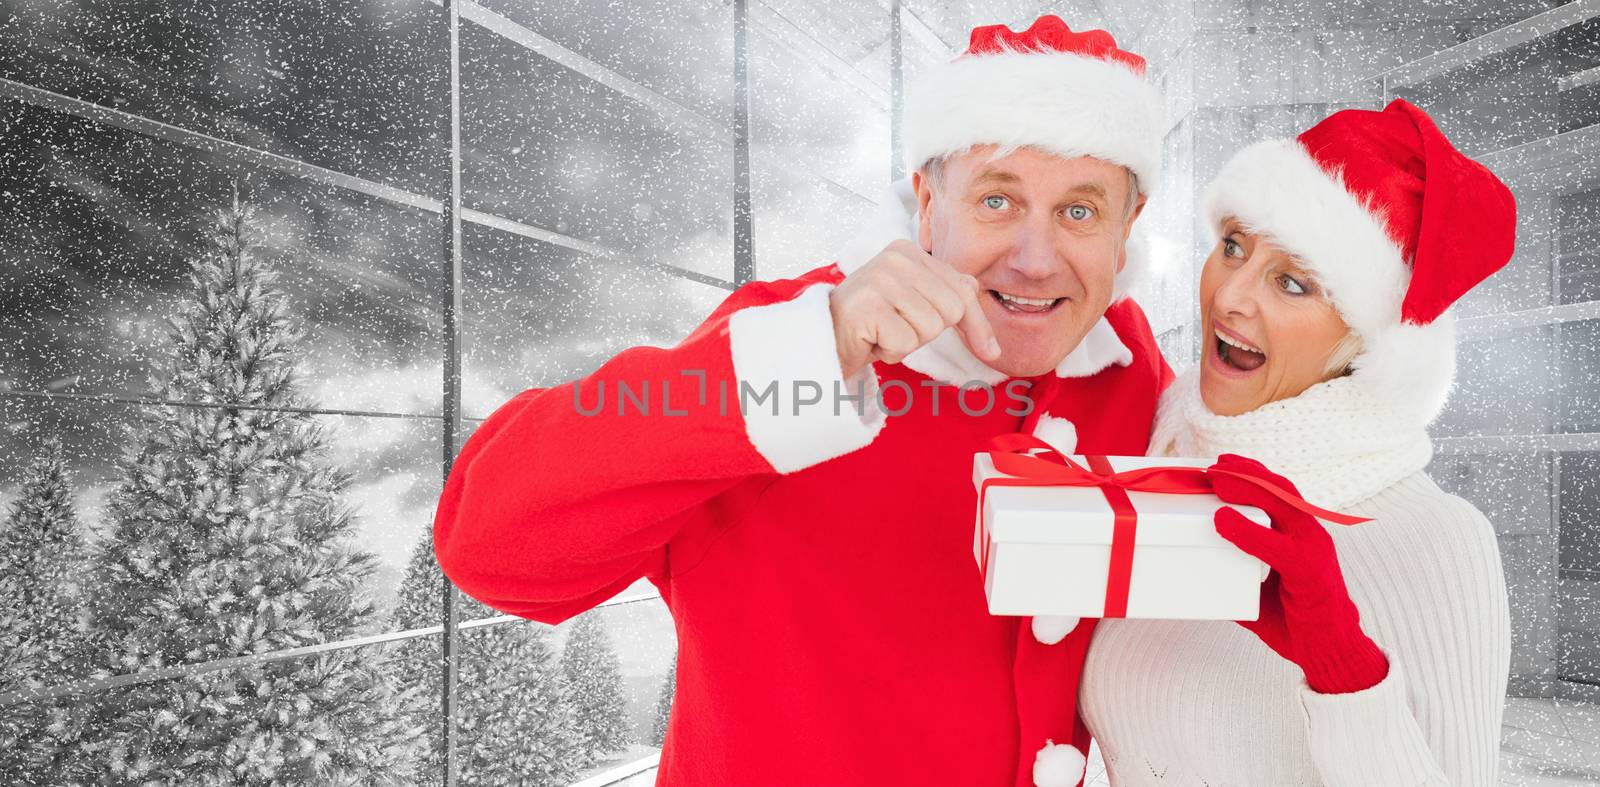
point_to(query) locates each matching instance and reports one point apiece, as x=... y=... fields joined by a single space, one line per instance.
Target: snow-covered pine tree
x=41 y=562
x=594 y=677
x=228 y=536
x=658 y=728
x=514 y=721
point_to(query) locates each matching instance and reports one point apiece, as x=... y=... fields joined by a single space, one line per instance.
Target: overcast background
x=605 y=130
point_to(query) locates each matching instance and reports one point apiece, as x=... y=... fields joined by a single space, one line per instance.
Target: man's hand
x=900 y=300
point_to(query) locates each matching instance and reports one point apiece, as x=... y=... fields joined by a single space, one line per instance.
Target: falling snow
x=598 y=160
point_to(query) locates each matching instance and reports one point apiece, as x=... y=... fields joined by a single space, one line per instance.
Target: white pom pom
x=1051 y=629
x=1058 y=765
x=1060 y=433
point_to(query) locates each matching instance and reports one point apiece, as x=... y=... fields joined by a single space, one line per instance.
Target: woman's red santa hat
x=1396 y=225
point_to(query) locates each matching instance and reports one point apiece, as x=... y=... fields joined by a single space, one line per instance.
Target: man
x=815 y=550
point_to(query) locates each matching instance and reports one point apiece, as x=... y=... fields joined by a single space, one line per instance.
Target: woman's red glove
x=1307 y=616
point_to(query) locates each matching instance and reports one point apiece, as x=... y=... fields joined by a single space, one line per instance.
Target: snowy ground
x=1550 y=743
x=631 y=754
x=1544 y=743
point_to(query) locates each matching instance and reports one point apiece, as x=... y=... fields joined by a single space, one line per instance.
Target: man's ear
x=924 y=190
x=1133 y=215
x=1127 y=230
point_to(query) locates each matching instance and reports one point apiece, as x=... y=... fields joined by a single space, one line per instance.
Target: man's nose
x=1033 y=253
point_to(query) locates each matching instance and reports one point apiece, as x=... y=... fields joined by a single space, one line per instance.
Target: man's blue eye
x=995 y=202
x=1079 y=212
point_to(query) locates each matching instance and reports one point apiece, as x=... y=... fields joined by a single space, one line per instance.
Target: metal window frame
x=450 y=434
x=897 y=97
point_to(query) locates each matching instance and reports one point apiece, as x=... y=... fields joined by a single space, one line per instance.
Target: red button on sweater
x=818 y=568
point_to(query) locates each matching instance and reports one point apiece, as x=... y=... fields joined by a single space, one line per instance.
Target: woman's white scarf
x=1337 y=443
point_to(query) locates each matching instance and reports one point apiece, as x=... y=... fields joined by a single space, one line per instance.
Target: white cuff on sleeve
x=791 y=386
x=1368 y=737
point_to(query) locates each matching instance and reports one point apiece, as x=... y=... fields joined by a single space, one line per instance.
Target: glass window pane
x=806 y=119
x=1579 y=388
x=1513 y=491
x=1220 y=132
x=681 y=50
x=355 y=87
x=384 y=484
x=538 y=315
x=1492 y=371
x=513 y=723
x=835 y=36
x=171 y=554
x=1578 y=245
x=1579 y=599
x=1579 y=659
x=106 y=224
x=644 y=641
x=1482 y=18
x=548 y=147
x=394 y=488
x=1515 y=96
x=1580 y=513
x=802 y=222
x=615 y=663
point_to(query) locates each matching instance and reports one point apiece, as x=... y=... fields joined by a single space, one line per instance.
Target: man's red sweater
x=819 y=568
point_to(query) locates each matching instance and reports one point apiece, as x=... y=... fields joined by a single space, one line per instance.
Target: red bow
x=1010 y=454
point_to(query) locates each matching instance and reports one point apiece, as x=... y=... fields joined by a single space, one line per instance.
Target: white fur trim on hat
x=1068 y=104
x=1275 y=188
x=1058 y=765
x=1411 y=366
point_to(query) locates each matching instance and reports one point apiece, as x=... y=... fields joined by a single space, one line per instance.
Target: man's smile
x=1025 y=305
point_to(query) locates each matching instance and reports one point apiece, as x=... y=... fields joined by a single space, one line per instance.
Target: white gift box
x=1049 y=550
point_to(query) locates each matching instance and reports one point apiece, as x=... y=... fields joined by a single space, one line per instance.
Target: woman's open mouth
x=1235 y=355
x=1024 y=305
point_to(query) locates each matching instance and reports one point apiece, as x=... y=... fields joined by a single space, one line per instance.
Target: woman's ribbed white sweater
x=1206 y=703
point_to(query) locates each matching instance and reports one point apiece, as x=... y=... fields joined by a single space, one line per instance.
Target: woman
x=1382 y=651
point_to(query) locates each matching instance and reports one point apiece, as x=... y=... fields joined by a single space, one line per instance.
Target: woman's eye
x=1292 y=285
x=995 y=202
x=1079 y=212
x=1231 y=249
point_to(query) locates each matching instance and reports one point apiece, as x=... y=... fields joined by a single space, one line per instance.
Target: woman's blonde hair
x=1343 y=353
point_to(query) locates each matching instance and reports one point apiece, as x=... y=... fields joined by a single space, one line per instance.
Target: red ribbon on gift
x=1013 y=455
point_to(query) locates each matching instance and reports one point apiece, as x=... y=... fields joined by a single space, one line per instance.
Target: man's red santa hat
x=1396 y=225
x=1072 y=94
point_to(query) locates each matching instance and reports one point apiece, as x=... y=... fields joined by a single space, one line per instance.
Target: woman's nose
x=1237 y=293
